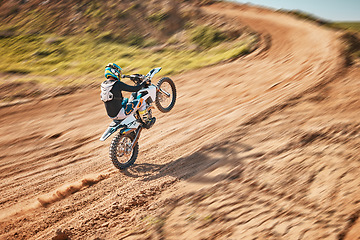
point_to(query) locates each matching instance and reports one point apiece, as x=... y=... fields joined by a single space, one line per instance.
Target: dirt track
x=266 y=146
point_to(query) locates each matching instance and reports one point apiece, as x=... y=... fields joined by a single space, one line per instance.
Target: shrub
x=352 y=50
x=350 y=26
x=136 y=40
x=158 y=17
x=126 y=12
x=17 y=71
x=105 y=37
x=207 y=36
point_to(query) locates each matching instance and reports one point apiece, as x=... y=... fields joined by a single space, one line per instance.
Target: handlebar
x=137 y=78
x=134 y=76
x=131 y=76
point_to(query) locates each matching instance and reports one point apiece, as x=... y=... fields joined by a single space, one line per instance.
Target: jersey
x=111 y=95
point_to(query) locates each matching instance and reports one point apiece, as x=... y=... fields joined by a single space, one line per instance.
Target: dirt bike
x=124 y=147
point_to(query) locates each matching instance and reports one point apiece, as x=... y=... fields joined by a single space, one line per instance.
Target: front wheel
x=122 y=154
x=166 y=95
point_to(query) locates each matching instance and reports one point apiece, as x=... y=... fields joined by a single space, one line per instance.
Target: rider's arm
x=129 y=88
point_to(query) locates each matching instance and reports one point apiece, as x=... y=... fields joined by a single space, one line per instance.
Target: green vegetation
x=136 y=40
x=351 y=40
x=350 y=37
x=352 y=47
x=158 y=17
x=122 y=14
x=305 y=16
x=84 y=57
x=350 y=26
x=71 y=42
x=207 y=36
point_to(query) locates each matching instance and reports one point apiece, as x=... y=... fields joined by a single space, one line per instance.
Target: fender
x=149 y=92
x=109 y=131
x=129 y=124
x=113 y=127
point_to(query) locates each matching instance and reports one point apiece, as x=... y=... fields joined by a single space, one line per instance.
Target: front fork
x=164 y=92
x=137 y=136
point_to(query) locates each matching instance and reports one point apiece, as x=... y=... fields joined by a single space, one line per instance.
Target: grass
x=350 y=37
x=45 y=43
x=350 y=26
x=207 y=36
x=352 y=47
x=158 y=17
x=351 y=40
x=305 y=16
x=83 y=57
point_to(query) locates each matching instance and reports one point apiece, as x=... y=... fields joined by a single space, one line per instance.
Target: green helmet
x=113 y=70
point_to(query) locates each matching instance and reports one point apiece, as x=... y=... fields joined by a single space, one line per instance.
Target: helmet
x=113 y=70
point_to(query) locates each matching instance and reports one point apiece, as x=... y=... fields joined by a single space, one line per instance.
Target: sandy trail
x=255 y=147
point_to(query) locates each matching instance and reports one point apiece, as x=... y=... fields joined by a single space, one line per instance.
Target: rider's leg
x=143 y=112
x=121 y=115
x=141 y=106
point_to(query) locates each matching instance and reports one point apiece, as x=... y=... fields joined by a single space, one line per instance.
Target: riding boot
x=150 y=123
x=147 y=122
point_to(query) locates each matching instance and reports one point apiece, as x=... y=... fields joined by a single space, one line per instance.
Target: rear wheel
x=166 y=96
x=121 y=153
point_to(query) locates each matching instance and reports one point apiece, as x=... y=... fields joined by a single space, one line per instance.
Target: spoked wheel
x=121 y=153
x=166 y=96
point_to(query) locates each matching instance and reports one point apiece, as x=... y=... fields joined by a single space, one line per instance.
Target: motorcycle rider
x=118 y=107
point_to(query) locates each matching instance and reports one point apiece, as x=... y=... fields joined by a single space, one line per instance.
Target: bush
x=158 y=17
x=352 y=51
x=105 y=37
x=207 y=36
x=350 y=26
x=17 y=71
x=136 y=40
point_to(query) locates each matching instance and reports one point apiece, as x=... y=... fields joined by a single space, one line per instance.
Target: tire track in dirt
x=304 y=188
